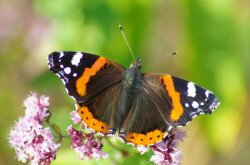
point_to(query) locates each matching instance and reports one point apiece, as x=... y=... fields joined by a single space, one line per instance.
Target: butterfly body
x=130 y=83
x=141 y=107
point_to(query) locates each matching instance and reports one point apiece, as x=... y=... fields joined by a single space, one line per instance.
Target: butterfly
x=141 y=107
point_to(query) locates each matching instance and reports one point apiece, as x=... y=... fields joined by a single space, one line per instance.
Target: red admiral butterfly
x=143 y=107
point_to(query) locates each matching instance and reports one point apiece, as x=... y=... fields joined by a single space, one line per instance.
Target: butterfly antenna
x=174 y=53
x=123 y=34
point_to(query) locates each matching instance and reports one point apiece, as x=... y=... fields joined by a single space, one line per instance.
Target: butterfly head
x=133 y=75
x=136 y=64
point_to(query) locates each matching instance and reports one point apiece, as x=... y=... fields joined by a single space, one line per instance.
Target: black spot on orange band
x=90 y=121
x=145 y=139
x=177 y=110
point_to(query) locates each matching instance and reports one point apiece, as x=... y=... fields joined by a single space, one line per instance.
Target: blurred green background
x=211 y=36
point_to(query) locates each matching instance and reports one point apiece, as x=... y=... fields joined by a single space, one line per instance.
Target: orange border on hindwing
x=90 y=121
x=145 y=139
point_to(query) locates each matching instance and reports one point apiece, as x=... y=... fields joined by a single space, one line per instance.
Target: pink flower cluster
x=35 y=143
x=166 y=152
x=29 y=138
x=86 y=145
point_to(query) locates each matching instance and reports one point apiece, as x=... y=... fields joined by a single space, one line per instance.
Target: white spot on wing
x=67 y=70
x=74 y=74
x=195 y=104
x=207 y=93
x=202 y=103
x=61 y=54
x=191 y=89
x=76 y=59
x=186 y=105
x=61 y=66
x=214 y=105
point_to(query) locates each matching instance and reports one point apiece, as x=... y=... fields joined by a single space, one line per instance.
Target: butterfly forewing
x=195 y=100
x=84 y=75
x=185 y=99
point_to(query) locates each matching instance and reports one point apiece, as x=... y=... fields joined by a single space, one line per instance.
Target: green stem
x=53 y=126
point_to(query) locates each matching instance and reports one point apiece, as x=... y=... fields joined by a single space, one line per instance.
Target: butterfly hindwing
x=98 y=113
x=147 y=121
x=83 y=74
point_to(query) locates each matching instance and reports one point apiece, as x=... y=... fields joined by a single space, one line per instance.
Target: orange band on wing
x=82 y=81
x=177 y=110
x=90 y=121
x=145 y=139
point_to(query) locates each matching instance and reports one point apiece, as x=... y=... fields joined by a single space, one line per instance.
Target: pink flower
x=86 y=145
x=166 y=152
x=36 y=108
x=75 y=117
x=29 y=138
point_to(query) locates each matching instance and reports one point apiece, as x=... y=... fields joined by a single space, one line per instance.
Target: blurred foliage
x=212 y=37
